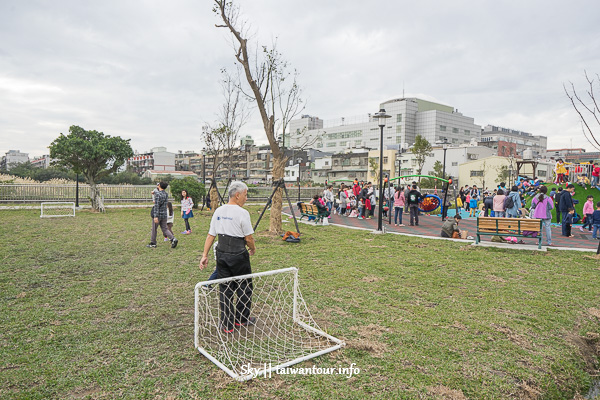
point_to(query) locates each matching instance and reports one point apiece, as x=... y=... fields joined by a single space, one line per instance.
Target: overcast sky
x=149 y=70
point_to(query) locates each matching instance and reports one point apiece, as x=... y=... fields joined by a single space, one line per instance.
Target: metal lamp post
x=444 y=144
x=381 y=117
x=77 y=191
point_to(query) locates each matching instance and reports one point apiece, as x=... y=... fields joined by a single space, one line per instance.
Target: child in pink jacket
x=588 y=210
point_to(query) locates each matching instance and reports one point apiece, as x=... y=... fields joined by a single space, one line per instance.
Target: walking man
x=159 y=216
x=231 y=223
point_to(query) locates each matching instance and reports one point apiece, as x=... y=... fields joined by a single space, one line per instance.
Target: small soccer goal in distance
x=57 y=209
x=283 y=334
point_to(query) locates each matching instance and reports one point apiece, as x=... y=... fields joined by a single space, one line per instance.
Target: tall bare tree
x=222 y=141
x=274 y=88
x=587 y=108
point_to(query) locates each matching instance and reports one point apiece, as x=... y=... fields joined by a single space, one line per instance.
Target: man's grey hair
x=236 y=187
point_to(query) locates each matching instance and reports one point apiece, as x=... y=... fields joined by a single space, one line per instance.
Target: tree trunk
x=214 y=198
x=95 y=195
x=276 y=206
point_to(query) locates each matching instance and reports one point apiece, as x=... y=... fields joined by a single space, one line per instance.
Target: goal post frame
x=269 y=369
x=67 y=205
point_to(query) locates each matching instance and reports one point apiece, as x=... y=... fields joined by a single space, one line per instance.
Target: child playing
x=373 y=201
x=588 y=210
x=468 y=202
x=367 y=207
x=361 y=207
x=186 y=211
x=170 y=219
x=569 y=222
x=473 y=206
x=596 y=222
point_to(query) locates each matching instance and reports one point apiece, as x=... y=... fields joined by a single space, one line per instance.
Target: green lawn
x=88 y=311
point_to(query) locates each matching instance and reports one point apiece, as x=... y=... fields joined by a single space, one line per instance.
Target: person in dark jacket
x=557 y=203
x=413 y=199
x=488 y=204
x=565 y=204
x=159 y=216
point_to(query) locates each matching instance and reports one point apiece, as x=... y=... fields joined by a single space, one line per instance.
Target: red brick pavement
x=430 y=225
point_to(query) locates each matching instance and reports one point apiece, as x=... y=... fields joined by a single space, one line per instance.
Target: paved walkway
x=430 y=225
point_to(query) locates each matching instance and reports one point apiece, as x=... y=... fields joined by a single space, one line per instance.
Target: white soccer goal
x=284 y=332
x=57 y=209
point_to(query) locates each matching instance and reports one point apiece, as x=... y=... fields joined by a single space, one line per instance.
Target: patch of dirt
x=528 y=391
x=445 y=393
x=495 y=278
x=370 y=330
x=371 y=279
x=380 y=247
x=589 y=348
x=513 y=337
x=594 y=312
x=376 y=349
x=458 y=325
x=370 y=340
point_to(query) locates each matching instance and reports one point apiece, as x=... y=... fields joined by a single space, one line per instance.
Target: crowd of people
x=360 y=200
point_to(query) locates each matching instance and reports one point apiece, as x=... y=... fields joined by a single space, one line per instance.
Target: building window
x=443 y=128
x=346 y=162
x=398 y=117
x=454 y=130
x=344 y=143
x=455 y=163
x=467 y=132
x=331 y=144
x=399 y=129
x=293 y=172
x=326 y=162
x=385 y=160
x=472 y=156
x=476 y=173
x=319 y=145
x=541 y=173
x=335 y=163
x=398 y=139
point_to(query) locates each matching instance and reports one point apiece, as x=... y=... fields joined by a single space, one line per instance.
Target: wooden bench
x=310 y=210
x=492 y=226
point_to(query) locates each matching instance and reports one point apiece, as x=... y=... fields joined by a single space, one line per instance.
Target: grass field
x=88 y=311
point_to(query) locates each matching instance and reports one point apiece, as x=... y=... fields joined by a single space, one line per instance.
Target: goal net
x=279 y=333
x=57 y=209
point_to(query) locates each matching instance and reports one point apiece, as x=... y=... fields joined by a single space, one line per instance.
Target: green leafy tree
x=438 y=170
x=421 y=149
x=374 y=167
x=92 y=154
x=195 y=189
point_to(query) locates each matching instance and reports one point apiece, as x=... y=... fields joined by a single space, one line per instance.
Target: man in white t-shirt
x=231 y=223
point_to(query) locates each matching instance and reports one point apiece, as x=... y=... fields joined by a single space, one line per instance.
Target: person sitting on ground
x=583 y=180
x=450 y=227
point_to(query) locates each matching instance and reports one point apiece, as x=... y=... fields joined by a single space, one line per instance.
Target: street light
x=380 y=117
x=443 y=143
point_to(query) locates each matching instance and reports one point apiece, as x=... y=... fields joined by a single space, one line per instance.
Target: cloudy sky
x=149 y=70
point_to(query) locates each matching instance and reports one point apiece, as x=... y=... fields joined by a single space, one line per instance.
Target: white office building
x=409 y=117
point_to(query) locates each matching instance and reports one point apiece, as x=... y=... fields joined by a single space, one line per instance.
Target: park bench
x=309 y=210
x=492 y=226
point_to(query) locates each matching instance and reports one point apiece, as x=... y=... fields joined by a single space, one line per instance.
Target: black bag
x=509 y=203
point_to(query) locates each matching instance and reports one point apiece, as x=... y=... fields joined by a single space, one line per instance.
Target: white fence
x=39 y=192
